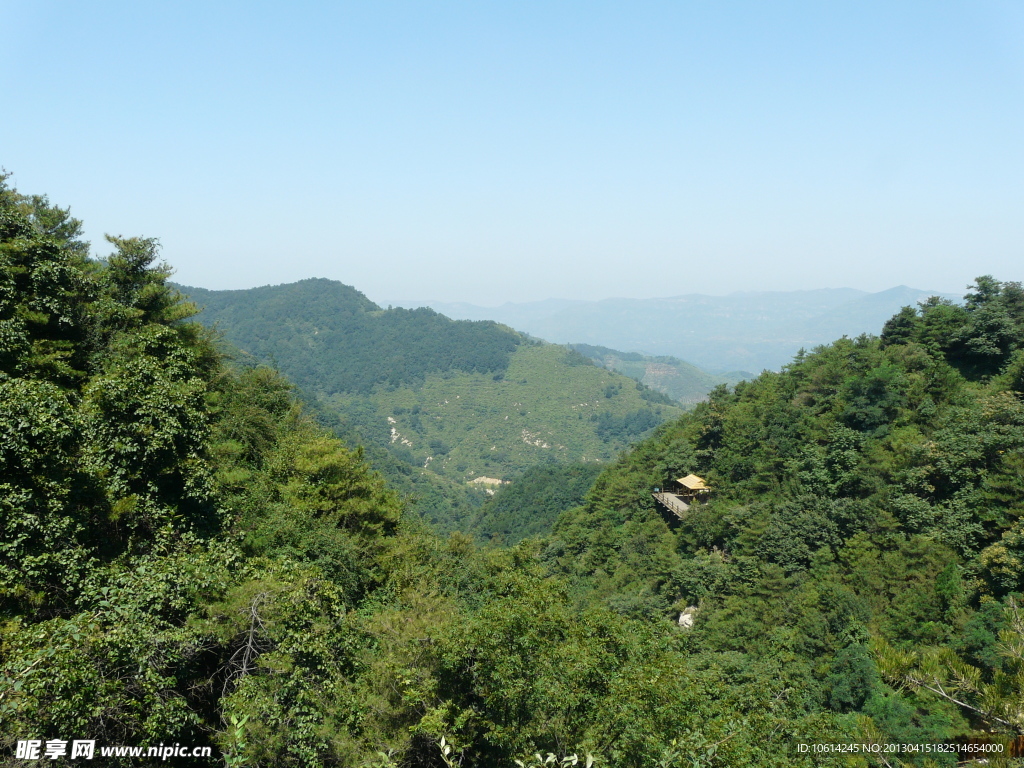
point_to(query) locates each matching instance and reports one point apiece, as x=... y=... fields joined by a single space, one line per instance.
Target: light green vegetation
x=543 y=409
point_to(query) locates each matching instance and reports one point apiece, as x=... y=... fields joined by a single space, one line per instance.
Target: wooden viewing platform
x=673 y=503
x=688 y=491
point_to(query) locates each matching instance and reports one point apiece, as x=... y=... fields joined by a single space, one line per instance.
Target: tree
x=993 y=699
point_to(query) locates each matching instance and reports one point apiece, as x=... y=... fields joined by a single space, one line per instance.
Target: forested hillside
x=188 y=557
x=531 y=505
x=550 y=406
x=330 y=338
x=459 y=407
x=864 y=540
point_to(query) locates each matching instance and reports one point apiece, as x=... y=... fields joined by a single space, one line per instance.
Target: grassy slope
x=542 y=410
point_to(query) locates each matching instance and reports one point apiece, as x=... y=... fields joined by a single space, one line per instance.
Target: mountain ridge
x=745 y=331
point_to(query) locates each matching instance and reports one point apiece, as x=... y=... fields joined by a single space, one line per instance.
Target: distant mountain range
x=735 y=333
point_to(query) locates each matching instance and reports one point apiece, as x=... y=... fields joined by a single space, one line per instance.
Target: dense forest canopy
x=188 y=556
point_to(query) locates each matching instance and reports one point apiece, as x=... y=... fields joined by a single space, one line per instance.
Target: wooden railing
x=673 y=503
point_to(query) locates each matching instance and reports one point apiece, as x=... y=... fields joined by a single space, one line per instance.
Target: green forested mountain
x=675 y=378
x=865 y=538
x=329 y=338
x=549 y=406
x=470 y=404
x=188 y=557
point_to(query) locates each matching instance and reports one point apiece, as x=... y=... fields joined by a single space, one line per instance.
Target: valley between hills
x=454 y=410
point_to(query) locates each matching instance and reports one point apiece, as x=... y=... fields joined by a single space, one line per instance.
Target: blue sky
x=492 y=152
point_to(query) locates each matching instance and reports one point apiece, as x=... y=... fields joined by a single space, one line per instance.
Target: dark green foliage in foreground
x=530 y=505
x=977 y=338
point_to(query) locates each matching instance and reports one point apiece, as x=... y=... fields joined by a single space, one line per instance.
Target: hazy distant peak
x=751 y=330
x=803 y=292
x=906 y=290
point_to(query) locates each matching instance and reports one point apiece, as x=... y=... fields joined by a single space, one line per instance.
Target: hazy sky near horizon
x=490 y=152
